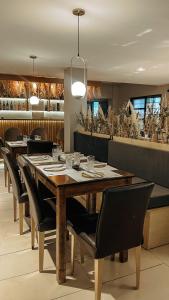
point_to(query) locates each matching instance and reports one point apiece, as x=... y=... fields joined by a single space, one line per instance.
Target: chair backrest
x=40 y=131
x=39 y=147
x=121 y=219
x=13 y=172
x=32 y=190
x=11 y=134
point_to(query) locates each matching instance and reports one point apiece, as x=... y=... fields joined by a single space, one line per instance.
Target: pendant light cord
x=78 y=36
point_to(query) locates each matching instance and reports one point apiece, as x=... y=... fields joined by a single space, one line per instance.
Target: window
x=95 y=106
x=142 y=104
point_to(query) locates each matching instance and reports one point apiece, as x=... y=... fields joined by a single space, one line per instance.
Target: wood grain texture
x=52 y=127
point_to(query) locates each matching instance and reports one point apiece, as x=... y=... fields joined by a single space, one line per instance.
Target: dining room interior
x=84 y=150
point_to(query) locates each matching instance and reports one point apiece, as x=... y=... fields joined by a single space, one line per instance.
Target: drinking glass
x=90 y=162
x=25 y=138
x=69 y=161
x=37 y=137
x=76 y=160
x=55 y=154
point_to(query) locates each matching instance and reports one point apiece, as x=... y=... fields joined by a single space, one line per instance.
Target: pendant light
x=78 y=87
x=34 y=100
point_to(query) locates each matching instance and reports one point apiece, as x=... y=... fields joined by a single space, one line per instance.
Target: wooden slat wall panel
x=52 y=126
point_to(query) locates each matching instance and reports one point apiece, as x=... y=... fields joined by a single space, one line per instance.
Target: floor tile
x=42 y=286
x=154 y=286
x=116 y=269
x=162 y=253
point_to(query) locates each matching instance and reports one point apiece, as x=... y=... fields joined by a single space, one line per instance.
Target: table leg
x=91 y=203
x=61 y=237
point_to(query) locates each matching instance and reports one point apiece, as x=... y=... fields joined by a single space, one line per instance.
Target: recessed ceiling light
x=144 y=32
x=129 y=44
x=140 y=69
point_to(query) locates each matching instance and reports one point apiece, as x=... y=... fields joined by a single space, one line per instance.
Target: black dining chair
x=119 y=227
x=43 y=212
x=39 y=131
x=19 y=193
x=11 y=134
x=34 y=147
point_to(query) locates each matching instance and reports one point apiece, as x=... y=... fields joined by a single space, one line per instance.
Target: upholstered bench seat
x=159 y=196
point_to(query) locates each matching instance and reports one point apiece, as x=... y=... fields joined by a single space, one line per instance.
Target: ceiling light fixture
x=141 y=69
x=78 y=87
x=34 y=100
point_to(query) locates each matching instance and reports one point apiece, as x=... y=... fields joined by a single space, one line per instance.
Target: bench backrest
x=149 y=164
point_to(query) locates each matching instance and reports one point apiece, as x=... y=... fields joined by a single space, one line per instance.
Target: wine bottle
x=58 y=106
x=7 y=105
x=3 y=105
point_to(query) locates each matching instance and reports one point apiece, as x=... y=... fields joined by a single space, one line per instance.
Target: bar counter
x=27 y=125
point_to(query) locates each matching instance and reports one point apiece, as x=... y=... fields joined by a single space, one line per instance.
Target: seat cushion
x=136 y=180
x=23 y=198
x=79 y=218
x=159 y=197
x=83 y=223
x=48 y=223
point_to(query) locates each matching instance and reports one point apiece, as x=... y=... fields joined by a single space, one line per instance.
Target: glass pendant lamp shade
x=78 y=89
x=78 y=86
x=34 y=100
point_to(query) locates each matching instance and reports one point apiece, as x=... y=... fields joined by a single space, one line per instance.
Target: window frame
x=145 y=98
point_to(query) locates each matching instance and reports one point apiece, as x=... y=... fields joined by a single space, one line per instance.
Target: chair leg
x=5 y=175
x=137 y=257
x=32 y=233
x=9 y=182
x=41 y=250
x=98 y=267
x=72 y=254
x=14 y=208
x=21 y=206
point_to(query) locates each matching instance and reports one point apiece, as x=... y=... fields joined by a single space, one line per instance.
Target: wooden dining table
x=16 y=147
x=65 y=186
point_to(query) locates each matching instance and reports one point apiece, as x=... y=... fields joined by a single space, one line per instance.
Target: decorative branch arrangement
x=127 y=123
x=124 y=124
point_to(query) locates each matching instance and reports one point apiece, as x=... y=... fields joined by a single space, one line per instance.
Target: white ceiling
x=118 y=37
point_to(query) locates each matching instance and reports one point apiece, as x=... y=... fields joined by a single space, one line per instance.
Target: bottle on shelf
x=58 y=106
x=11 y=105
x=3 y=105
x=46 y=106
x=7 y=105
x=19 y=106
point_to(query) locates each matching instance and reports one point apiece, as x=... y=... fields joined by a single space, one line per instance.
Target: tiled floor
x=20 y=279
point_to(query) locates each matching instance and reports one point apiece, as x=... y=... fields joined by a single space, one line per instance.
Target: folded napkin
x=42 y=157
x=55 y=169
x=88 y=174
x=100 y=164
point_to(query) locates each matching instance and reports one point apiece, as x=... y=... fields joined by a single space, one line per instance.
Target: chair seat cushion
x=48 y=223
x=83 y=223
x=136 y=180
x=23 y=198
x=74 y=210
x=79 y=218
x=159 y=197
